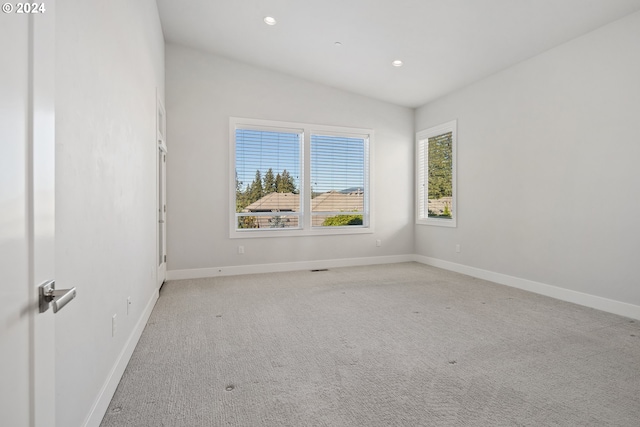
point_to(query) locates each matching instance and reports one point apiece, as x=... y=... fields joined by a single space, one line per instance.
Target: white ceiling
x=444 y=44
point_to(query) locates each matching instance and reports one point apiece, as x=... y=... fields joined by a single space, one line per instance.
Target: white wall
x=203 y=91
x=110 y=59
x=548 y=174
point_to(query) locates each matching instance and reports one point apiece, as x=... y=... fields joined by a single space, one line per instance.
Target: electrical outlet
x=378 y=242
x=113 y=325
x=458 y=247
x=128 y=304
x=241 y=250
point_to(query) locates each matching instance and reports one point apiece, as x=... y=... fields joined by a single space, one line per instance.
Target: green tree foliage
x=340 y=220
x=286 y=184
x=239 y=195
x=278 y=182
x=269 y=182
x=440 y=166
x=247 y=222
x=256 y=192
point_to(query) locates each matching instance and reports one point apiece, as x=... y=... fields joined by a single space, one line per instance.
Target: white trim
x=420 y=154
x=299 y=232
x=580 y=298
x=161 y=215
x=234 y=270
x=99 y=408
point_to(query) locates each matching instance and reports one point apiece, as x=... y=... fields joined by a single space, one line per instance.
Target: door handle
x=56 y=298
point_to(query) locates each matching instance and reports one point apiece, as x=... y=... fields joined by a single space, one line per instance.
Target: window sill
x=329 y=231
x=439 y=222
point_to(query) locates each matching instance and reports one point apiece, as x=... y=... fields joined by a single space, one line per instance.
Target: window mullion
x=306 y=173
x=366 y=206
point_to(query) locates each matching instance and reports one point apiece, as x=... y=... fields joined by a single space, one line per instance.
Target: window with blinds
x=267 y=178
x=291 y=179
x=436 y=172
x=338 y=180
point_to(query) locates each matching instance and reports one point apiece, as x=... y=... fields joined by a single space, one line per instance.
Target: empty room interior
x=340 y=213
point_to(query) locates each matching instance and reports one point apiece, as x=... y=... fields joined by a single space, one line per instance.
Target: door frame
x=161 y=186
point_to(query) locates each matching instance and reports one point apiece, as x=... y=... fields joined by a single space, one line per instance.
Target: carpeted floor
x=388 y=345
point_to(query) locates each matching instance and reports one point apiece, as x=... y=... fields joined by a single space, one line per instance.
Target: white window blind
x=422 y=193
x=339 y=180
x=268 y=180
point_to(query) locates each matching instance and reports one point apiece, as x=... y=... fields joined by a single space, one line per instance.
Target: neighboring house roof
x=331 y=201
x=276 y=202
x=334 y=201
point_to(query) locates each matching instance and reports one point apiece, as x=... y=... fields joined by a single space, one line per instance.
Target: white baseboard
x=587 y=300
x=198 y=273
x=107 y=391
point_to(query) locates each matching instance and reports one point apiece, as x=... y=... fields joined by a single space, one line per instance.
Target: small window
x=297 y=179
x=436 y=175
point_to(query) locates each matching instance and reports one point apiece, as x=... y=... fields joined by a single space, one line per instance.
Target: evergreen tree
x=269 y=182
x=256 y=191
x=240 y=196
x=238 y=184
x=287 y=183
x=278 y=182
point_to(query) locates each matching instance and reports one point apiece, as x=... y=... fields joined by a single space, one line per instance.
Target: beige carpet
x=388 y=345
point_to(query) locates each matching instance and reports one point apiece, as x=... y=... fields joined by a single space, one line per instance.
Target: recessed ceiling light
x=269 y=20
x=397 y=63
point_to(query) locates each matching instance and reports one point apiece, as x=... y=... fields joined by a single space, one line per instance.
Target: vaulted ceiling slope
x=444 y=44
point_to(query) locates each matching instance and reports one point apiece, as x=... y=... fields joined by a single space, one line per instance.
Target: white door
x=27 y=387
x=161 y=131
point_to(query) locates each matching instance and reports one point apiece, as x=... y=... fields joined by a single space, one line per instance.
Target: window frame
x=305 y=215
x=422 y=184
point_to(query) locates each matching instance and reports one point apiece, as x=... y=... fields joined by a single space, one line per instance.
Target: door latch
x=56 y=298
